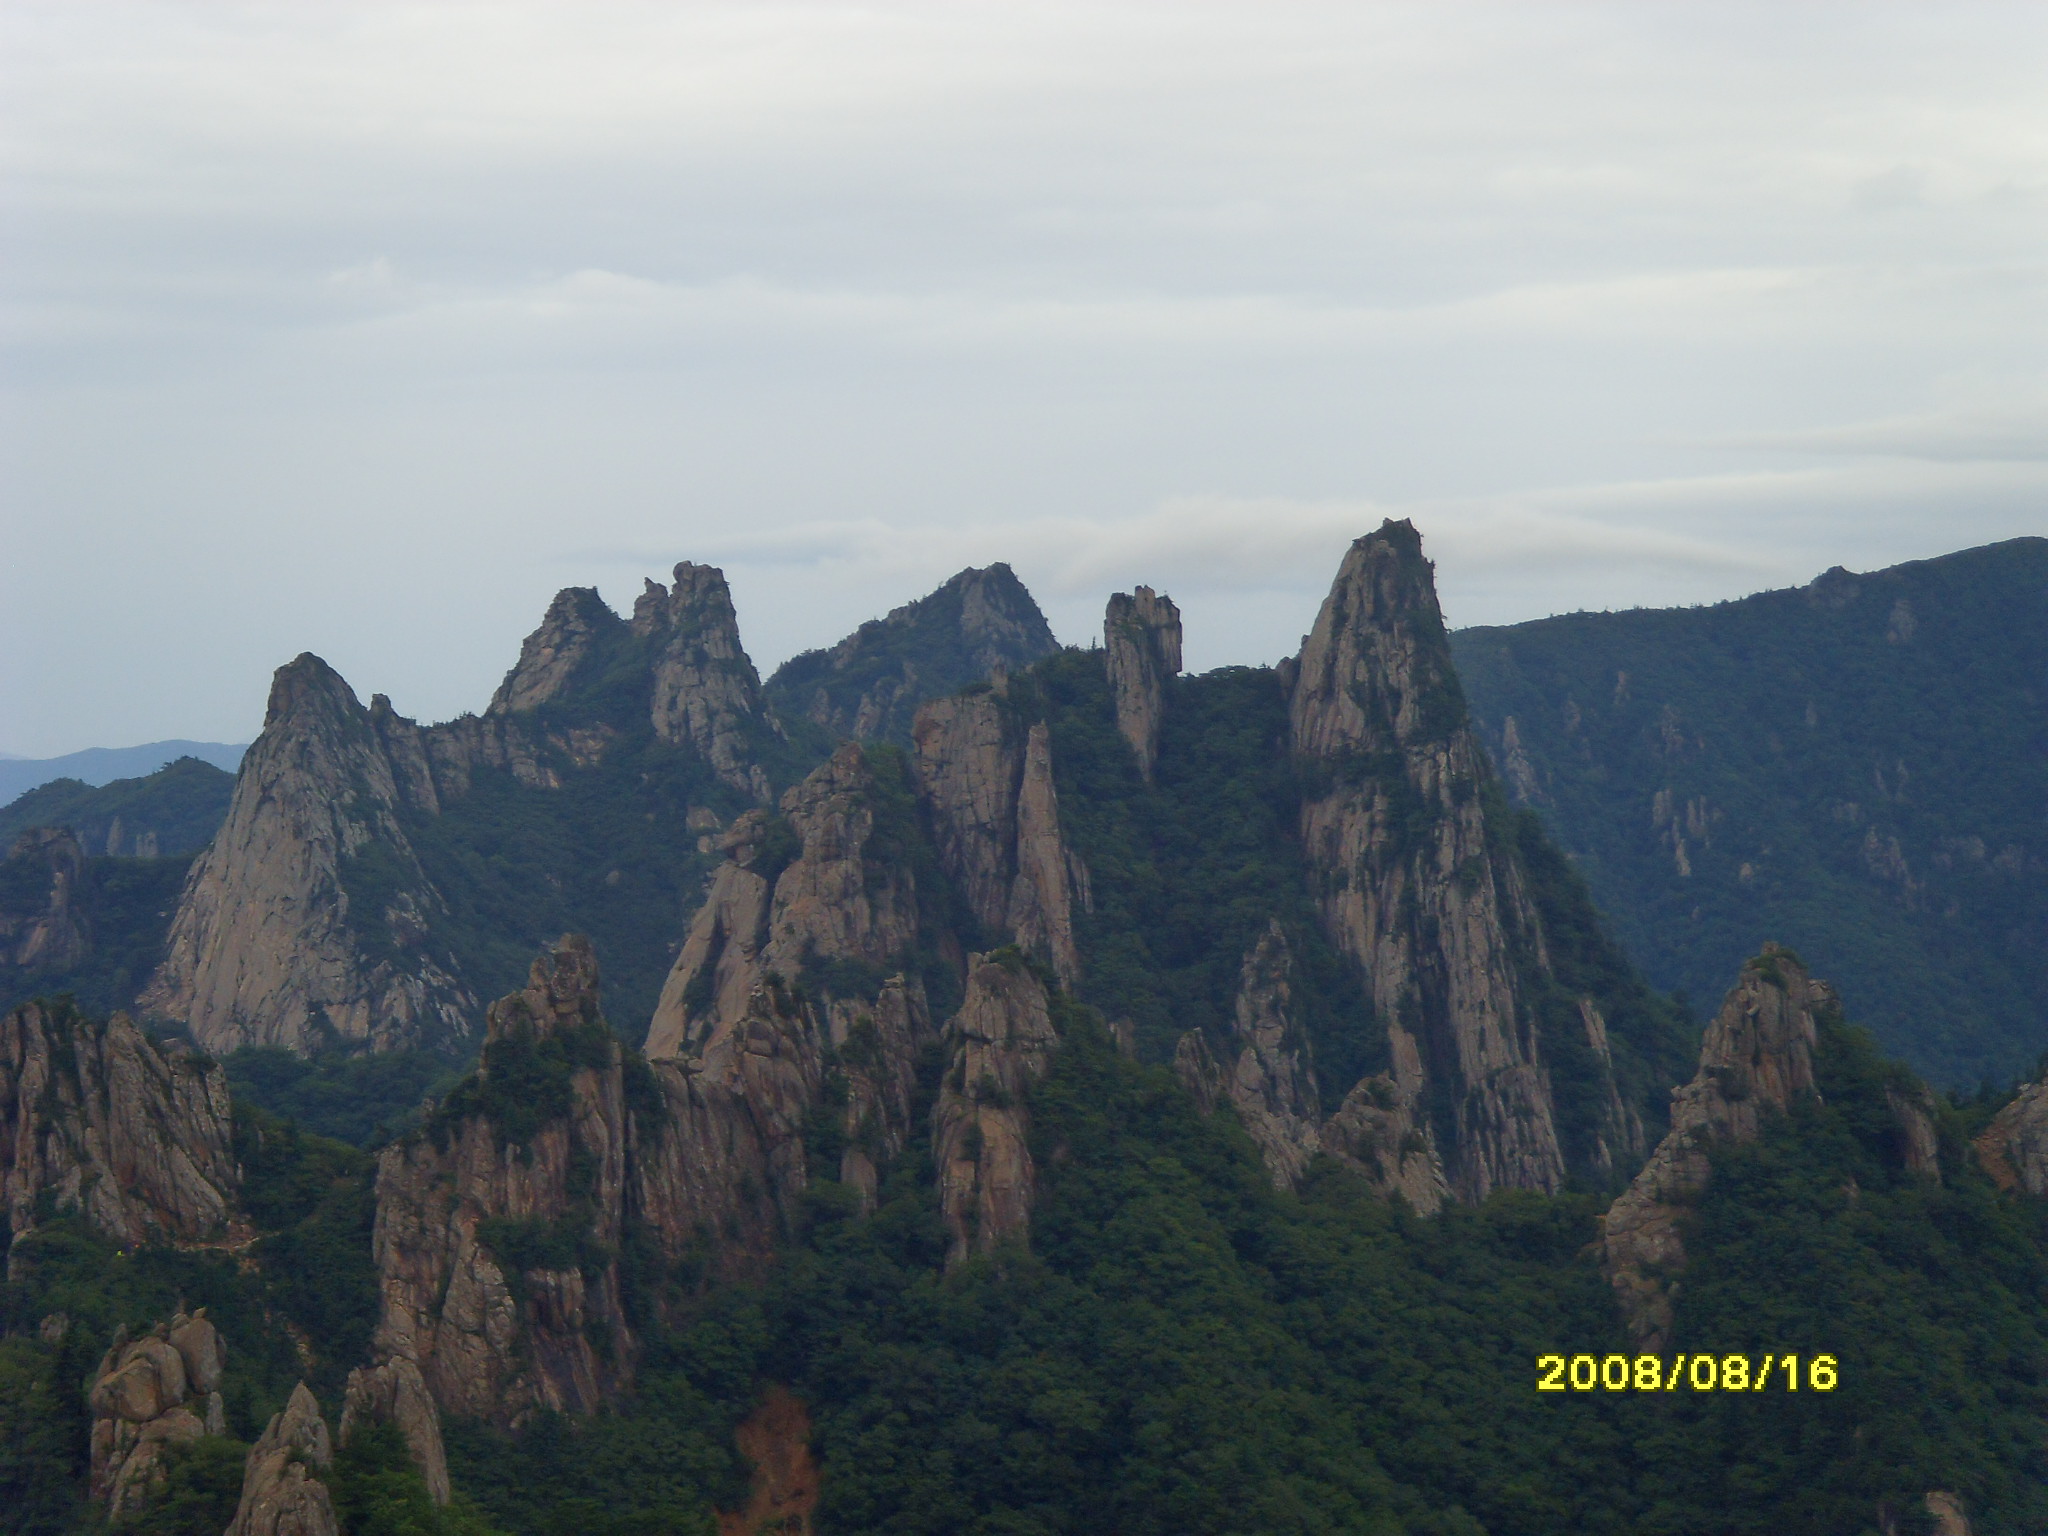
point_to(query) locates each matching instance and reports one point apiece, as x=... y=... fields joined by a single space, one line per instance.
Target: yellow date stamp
x=1687 y=1373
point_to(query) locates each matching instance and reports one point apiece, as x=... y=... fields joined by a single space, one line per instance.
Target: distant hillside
x=1858 y=767
x=175 y=810
x=103 y=765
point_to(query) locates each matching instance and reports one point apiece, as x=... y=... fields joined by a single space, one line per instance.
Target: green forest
x=1856 y=768
x=1182 y=1349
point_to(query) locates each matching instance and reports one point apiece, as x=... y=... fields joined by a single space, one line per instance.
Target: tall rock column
x=283 y=1492
x=1409 y=885
x=268 y=945
x=1141 y=649
x=1001 y=1042
x=985 y=776
x=499 y=1223
x=706 y=691
x=159 y=1390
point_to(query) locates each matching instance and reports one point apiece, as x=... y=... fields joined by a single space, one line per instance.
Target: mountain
x=171 y=812
x=1138 y=1101
x=103 y=765
x=869 y=685
x=375 y=879
x=1857 y=767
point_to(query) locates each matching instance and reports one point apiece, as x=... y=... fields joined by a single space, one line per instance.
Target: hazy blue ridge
x=1858 y=768
x=103 y=765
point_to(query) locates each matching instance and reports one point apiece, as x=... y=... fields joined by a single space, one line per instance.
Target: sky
x=364 y=328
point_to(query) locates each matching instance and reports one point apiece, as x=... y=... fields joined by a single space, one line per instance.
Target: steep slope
x=1856 y=766
x=869 y=686
x=71 y=922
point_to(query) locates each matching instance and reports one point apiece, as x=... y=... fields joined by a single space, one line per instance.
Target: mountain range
x=965 y=1083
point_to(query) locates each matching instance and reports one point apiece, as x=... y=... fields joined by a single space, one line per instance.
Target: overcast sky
x=363 y=328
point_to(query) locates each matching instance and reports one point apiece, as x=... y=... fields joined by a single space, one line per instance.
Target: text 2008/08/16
x=1687 y=1373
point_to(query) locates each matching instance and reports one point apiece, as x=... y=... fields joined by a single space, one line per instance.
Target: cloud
x=1987 y=431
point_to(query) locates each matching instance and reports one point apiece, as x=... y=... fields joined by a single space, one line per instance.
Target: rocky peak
x=161 y=1389
x=1414 y=889
x=706 y=692
x=50 y=933
x=1000 y=1043
x=869 y=686
x=268 y=946
x=570 y=635
x=1141 y=649
x=1756 y=1060
x=92 y=1115
x=282 y=1490
x=561 y=994
x=985 y=777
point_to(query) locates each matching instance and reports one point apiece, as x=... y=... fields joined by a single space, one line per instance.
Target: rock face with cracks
x=985 y=778
x=1141 y=650
x=706 y=691
x=1417 y=889
x=136 y=1137
x=496 y=1241
x=2014 y=1147
x=395 y=1393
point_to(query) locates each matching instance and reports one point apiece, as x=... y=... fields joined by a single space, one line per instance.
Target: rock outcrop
x=1755 y=1061
x=985 y=777
x=1413 y=888
x=49 y=933
x=999 y=1044
x=136 y=1137
x=1267 y=1071
x=1141 y=649
x=499 y=1224
x=2014 y=1147
x=776 y=986
x=282 y=1491
x=308 y=919
x=395 y=1393
x=980 y=624
x=578 y=630
x=161 y=1389
x=706 y=692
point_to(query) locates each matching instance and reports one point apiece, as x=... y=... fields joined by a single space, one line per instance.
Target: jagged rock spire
x=706 y=691
x=1411 y=886
x=1141 y=649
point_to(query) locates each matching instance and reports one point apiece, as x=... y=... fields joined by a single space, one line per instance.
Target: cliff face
x=49 y=932
x=138 y=1139
x=1411 y=887
x=162 y=1389
x=706 y=692
x=771 y=983
x=1000 y=1043
x=267 y=947
x=499 y=1225
x=1141 y=648
x=985 y=778
x=1756 y=1060
x=395 y=1393
x=980 y=624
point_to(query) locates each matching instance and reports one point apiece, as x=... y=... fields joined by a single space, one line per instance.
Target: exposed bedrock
x=1141 y=649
